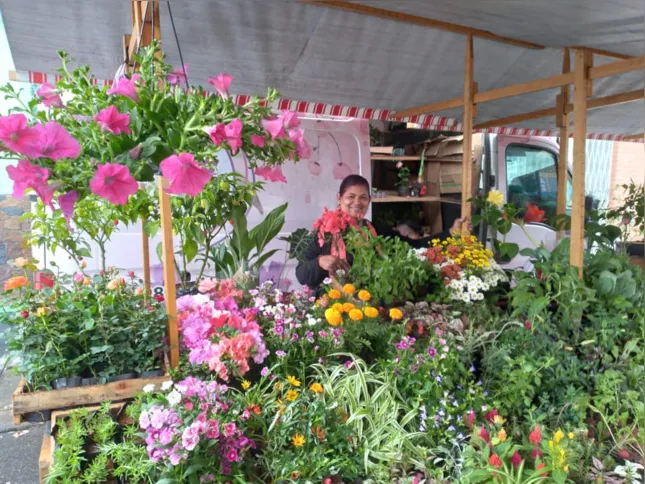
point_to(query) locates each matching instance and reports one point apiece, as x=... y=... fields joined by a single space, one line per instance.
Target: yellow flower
x=495 y=197
x=293 y=380
x=338 y=307
x=87 y=281
x=557 y=437
x=20 y=262
x=41 y=311
x=277 y=387
x=501 y=435
x=349 y=289
x=298 y=440
x=333 y=294
x=499 y=420
x=370 y=312
x=333 y=317
x=571 y=435
x=246 y=384
x=316 y=388
x=347 y=307
x=566 y=468
x=292 y=395
x=396 y=314
x=364 y=295
x=356 y=315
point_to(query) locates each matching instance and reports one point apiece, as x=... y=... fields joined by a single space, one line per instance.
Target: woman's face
x=355 y=201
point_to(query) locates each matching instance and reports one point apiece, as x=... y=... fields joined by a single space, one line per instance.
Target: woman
x=353 y=198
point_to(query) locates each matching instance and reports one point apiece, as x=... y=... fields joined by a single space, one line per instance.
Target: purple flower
x=144 y=420
x=265 y=371
x=279 y=330
x=438 y=378
x=442 y=341
x=316 y=348
x=207 y=478
x=432 y=352
x=322 y=334
x=294 y=337
x=165 y=436
x=190 y=438
x=472 y=368
x=280 y=353
x=349 y=364
x=229 y=429
x=231 y=455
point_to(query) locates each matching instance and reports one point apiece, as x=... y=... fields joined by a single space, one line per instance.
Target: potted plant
x=403 y=176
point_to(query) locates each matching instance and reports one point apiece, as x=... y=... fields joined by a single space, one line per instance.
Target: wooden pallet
x=24 y=402
x=46 y=457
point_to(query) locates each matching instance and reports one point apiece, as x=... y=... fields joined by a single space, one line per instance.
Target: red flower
x=533 y=214
x=159 y=298
x=490 y=416
x=484 y=434
x=516 y=460
x=495 y=461
x=470 y=419
x=535 y=437
x=536 y=453
x=24 y=314
x=527 y=325
x=423 y=191
x=541 y=466
x=435 y=256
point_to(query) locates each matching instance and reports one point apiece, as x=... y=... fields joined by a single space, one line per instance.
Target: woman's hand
x=458 y=226
x=332 y=264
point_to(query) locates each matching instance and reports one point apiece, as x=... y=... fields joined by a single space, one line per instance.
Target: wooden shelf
x=398 y=199
x=396 y=158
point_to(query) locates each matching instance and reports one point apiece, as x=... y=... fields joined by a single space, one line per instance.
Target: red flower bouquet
x=331 y=226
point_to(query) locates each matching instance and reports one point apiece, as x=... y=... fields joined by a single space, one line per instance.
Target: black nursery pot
x=69 y=382
x=151 y=373
x=125 y=376
x=88 y=382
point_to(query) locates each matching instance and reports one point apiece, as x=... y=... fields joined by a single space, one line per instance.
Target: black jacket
x=310 y=274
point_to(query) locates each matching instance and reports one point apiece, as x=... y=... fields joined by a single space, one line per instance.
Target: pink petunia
x=26 y=175
x=114 y=182
x=66 y=203
x=221 y=83
x=126 y=87
x=217 y=133
x=290 y=119
x=258 y=141
x=16 y=135
x=272 y=174
x=53 y=141
x=298 y=137
x=275 y=127
x=111 y=120
x=177 y=75
x=186 y=176
x=233 y=132
x=50 y=97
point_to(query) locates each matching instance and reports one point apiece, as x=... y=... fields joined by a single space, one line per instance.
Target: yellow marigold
x=291 y=395
x=571 y=435
x=356 y=315
x=364 y=295
x=298 y=440
x=316 y=388
x=40 y=312
x=333 y=317
x=338 y=307
x=499 y=420
x=246 y=384
x=495 y=197
x=333 y=294
x=396 y=314
x=370 y=312
x=349 y=289
x=347 y=307
x=557 y=437
x=501 y=435
x=293 y=380
x=15 y=283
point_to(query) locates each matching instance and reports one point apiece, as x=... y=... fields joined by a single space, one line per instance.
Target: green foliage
x=298 y=241
x=631 y=211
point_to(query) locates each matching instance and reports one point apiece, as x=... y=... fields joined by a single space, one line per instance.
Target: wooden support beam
x=613 y=100
x=146 y=26
x=617 y=68
x=145 y=244
x=170 y=293
x=423 y=21
x=603 y=52
x=579 y=152
x=467 y=161
x=562 y=122
x=633 y=137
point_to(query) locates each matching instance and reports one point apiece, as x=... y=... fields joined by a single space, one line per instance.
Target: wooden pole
x=467 y=162
x=170 y=294
x=145 y=244
x=563 y=123
x=581 y=89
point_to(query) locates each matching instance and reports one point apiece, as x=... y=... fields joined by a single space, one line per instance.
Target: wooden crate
x=27 y=402
x=46 y=457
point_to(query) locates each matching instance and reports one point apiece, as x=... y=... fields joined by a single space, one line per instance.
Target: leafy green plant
x=298 y=241
x=631 y=211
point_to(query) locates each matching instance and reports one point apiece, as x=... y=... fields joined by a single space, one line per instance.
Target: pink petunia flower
x=258 y=141
x=233 y=131
x=27 y=175
x=66 y=203
x=177 y=75
x=298 y=137
x=126 y=87
x=221 y=83
x=290 y=119
x=186 y=176
x=49 y=95
x=217 y=133
x=273 y=174
x=114 y=182
x=17 y=136
x=275 y=127
x=111 y=120
x=53 y=141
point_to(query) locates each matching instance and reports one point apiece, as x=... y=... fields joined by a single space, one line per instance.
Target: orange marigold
x=333 y=294
x=15 y=283
x=349 y=289
x=364 y=295
x=396 y=314
x=356 y=314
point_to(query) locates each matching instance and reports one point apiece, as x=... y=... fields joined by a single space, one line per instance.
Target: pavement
x=19 y=444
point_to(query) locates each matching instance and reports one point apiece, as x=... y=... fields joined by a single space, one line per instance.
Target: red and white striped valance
x=425 y=121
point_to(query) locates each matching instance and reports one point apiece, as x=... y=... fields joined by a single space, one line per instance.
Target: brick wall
x=12 y=232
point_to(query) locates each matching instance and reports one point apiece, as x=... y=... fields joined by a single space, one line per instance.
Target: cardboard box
x=450 y=178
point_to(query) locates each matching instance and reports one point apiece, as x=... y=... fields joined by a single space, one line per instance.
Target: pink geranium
x=114 y=182
x=66 y=203
x=53 y=141
x=258 y=141
x=111 y=120
x=221 y=83
x=186 y=176
x=16 y=135
x=272 y=174
x=275 y=127
x=49 y=95
x=233 y=132
x=177 y=75
x=126 y=87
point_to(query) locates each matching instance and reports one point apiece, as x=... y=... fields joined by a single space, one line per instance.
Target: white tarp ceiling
x=325 y=55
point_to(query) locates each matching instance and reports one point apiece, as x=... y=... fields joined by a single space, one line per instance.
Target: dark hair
x=353 y=181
